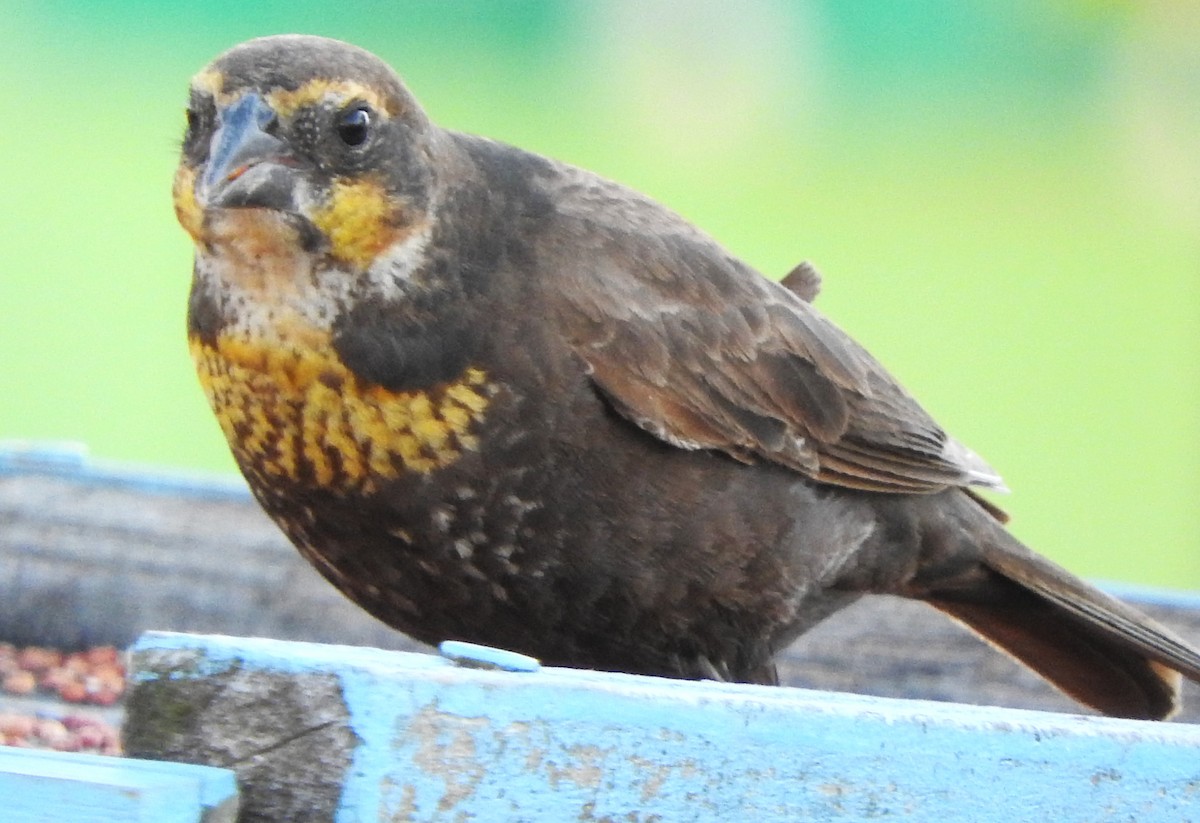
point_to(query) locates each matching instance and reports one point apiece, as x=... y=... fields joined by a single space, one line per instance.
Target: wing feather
x=704 y=353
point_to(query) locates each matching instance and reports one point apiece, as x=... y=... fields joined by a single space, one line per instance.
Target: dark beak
x=248 y=167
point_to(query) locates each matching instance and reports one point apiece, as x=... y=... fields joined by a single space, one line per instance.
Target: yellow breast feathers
x=303 y=416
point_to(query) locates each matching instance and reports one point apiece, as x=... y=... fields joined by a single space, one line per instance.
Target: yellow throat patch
x=360 y=221
x=301 y=415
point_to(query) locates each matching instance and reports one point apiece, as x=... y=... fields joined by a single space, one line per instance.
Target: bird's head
x=308 y=181
x=304 y=140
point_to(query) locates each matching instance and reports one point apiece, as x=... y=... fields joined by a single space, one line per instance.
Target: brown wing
x=705 y=353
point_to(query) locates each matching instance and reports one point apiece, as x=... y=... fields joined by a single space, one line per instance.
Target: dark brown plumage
x=493 y=397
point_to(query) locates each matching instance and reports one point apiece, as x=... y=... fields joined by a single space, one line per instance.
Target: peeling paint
x=447 y=752
x=582 y=766
x=439 y=742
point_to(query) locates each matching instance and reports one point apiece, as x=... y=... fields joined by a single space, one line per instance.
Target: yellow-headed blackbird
x=496 y=398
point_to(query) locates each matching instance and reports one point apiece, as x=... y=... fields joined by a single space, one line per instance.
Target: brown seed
x=20 y=682
x=104 y=697
x=75 y=722
x=38 y=659
x=103 y=656
x=16 y=725
x=55 y=679
x=92 y=737
x=73 y=692
x=52 y=733
x=77 y=662
x=111 y=676
x=69 y=743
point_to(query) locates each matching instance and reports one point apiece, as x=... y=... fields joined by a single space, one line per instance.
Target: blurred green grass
x=1000 y=196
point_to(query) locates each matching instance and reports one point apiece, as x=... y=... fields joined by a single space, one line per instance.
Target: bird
x=494 y=397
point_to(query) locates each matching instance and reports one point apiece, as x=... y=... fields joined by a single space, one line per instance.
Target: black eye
x=199 y=121
x=353 y=125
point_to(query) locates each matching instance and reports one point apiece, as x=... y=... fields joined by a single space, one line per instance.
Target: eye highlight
x=353 y=124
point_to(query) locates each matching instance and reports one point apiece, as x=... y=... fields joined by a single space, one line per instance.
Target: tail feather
x=1087 y=666
x=1093 y=647
x=1094 y=608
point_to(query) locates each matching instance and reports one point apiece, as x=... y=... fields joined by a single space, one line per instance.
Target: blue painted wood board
x=442 y=742
x=74 y=788
x=70 y=460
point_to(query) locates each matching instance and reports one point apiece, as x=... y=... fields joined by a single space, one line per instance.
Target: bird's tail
x=1093 y=647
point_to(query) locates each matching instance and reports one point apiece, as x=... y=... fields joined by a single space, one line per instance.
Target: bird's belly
x=406 y=502
x=381 y=491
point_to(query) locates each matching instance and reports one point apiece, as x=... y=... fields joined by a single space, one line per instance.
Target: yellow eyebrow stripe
x=287 y=103
x=209 y=82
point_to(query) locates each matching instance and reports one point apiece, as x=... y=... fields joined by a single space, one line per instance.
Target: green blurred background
x=1004 y=198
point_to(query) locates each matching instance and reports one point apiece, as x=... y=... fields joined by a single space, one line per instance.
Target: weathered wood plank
x=96 y=553
x=424 y=739
x=81 y=788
